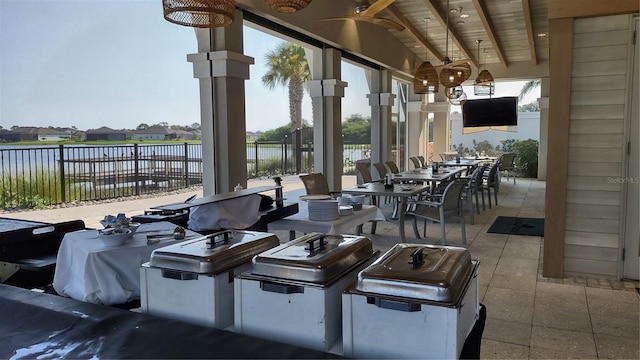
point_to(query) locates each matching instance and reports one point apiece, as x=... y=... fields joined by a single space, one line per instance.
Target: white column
x=441 y=123
x=327 y=134
x=381 y=101
x=222 y=69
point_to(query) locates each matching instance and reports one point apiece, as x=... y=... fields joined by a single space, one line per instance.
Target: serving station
x=192 y=281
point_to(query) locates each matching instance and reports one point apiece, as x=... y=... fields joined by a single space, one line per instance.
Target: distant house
x=106 y=134
x=47 y=134
x=177 y=134
x=153 y=133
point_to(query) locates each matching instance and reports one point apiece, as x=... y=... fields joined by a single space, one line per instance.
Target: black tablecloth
x=36 y=325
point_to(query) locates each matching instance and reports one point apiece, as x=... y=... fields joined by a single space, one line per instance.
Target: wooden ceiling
x=511 y=31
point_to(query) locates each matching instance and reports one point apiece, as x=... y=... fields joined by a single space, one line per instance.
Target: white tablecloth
x=343 y=225
x=89 y=271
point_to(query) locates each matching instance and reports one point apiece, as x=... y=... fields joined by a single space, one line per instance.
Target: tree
x=142 y=126
x=527 y=88
x=530 y=107
x=356 y=129
x=288 y=66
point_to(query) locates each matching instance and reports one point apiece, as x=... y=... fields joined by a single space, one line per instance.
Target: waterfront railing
x=34 y=177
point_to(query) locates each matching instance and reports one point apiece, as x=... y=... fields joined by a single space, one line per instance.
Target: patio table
x=401 y=191
x=89 y=271
x=345 y=223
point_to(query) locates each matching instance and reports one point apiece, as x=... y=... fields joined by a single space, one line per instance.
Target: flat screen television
x=490 y=112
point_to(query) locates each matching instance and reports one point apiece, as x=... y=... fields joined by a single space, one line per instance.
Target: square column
x=221 y=69
x=327 y=134
x=381 y=101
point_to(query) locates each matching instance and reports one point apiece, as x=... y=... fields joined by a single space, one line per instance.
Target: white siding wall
x=598 y=94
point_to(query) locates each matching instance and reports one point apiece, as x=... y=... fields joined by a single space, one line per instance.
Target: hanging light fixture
x=199 y=13
x=484 y=84
x=425 y=80
x=453 y=73
x=287 y=6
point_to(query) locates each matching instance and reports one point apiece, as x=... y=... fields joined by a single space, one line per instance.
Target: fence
x=32 y=177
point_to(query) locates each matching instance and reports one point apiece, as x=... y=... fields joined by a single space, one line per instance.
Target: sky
x=118 y=63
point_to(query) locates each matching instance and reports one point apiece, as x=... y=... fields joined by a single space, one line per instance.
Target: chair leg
x=415 y=227
x=489 y=195
x=495 y=194
x=477 y=202
x=373 y=226
x=443 y=230
x=464 y=231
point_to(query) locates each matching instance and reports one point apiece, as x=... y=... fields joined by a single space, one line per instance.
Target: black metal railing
x=32 y=177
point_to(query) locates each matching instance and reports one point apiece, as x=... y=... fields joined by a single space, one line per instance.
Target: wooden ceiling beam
x=442 y=16
x=488 y=27
x=417 y=34
x=530 y=36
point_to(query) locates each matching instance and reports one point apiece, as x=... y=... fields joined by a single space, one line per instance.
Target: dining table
x=398 y=190
x=428 y=176
x=342 y=225
x=89 y=271
x=467 y=163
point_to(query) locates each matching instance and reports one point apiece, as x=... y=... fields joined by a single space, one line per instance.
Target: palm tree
x=288 y=66
x=527 y=88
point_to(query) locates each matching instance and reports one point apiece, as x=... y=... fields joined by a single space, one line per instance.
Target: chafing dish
x=415 y=301
x=192 y=281
x=293 y=292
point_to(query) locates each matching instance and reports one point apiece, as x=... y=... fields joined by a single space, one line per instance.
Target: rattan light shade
x=287 y=6
x=454 y=76
x=484 y=84
x=425 y=80
x=199 y=13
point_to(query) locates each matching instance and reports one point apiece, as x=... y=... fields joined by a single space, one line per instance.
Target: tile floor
x=529 y=316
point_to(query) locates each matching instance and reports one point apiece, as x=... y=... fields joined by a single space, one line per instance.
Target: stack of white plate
x=323 y=210
x=345 y=210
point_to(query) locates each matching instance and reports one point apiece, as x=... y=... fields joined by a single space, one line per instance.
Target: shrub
x=527 y=157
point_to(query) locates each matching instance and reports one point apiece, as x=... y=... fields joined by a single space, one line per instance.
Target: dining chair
x=416 y=162
x=365 y=174
x=449 y=206
x=422 y=160
x=471 y=190
x=506 y=164
x=393 y=167
x=382 y=170
x=490 y=181
x=316 y=184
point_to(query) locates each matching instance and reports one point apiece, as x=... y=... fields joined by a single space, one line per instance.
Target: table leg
x=359 y=229
x=403 y=205
x=292 y=234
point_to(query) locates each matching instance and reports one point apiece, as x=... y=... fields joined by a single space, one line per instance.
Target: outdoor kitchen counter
x=36 y=325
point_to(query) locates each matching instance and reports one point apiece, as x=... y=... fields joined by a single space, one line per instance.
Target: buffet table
x=36 y=325
x=87 y=270
x=343 y=225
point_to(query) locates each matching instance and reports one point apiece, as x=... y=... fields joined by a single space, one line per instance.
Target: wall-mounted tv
x=490 y=112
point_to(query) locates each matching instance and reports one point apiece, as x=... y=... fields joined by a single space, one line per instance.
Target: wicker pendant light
x=453 y=73
x=425 y=80
x=287 y=6
x=484 y=84
x=199 y=13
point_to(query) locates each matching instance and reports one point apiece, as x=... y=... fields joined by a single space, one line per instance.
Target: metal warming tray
x=315 y=258
x=293 y=292
x=192 y=281
x=433 y=273
x=421 y=296
x=213 y=253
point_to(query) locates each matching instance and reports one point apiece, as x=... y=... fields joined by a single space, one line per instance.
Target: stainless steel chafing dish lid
x=313 y=258
x=213 y=253
x=423 y=272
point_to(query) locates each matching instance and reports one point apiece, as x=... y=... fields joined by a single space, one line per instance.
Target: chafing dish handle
x=312 y=248
x=178 y=275
x=394 y=305
x=281 y=288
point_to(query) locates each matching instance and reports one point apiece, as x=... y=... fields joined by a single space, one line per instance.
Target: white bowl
x=111 y=238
